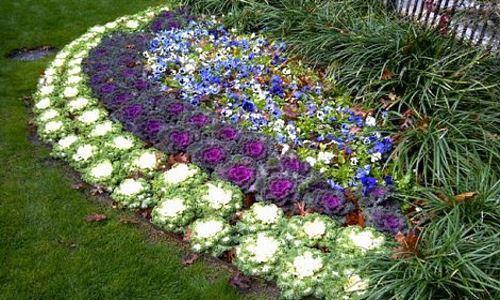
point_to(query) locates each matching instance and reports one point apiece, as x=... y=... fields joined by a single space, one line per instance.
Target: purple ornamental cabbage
x=254 y=146
x=209 y=154
x=197 y=119
x=175 y=139
x=280 y=190
x=292 y=163
x=329 y=202
x=241 y=172
x=386 y=220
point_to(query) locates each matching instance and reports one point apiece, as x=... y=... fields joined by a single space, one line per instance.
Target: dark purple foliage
x=209 y=154
x=329 y=202
x=280 y=190
x=241 y=172
x=175 y=139
x=386 y=220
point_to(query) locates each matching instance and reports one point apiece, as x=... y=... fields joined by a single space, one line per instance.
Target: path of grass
x=46 y=249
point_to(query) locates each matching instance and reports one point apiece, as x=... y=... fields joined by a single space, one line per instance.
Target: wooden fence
x=475 y=21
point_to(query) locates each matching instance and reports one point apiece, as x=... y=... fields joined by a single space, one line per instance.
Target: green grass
x=47 y=251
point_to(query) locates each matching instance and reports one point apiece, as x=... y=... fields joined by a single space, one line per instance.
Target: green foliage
x=458 y=254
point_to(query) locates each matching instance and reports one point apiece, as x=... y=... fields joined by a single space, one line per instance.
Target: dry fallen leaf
x=240 y=281
x=465 y=196
x=408 y=245
x=386 y=74
x=78 y=185
x=95 y=218
x=189 y=259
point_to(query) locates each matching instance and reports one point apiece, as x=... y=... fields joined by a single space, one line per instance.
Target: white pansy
x=376 y=157
x=46 y=90
x=354 y=161
x=123 y=142
x=70 y=92
x=49 y=114
x=217 y=196
x=130 y=187
x=208 y=229
x=78 y=103
x=266 y=213
x=89 y=116
x=315 y=228
x=147 y=160
x=365 y=240
x=53 y=126
x=264 y=249
x=67 y=141
x=370 y=121
x=178 y=174
x=132 y=24
x=306 y=265
x=325 y=156
x=102 y=170
x=171 y=207
x=102 y=129
x=311 y=161
x=84 y=152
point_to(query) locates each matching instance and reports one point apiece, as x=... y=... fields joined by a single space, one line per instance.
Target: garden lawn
x=47 y=250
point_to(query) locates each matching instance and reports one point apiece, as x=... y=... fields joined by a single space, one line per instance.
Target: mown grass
x=47 y=251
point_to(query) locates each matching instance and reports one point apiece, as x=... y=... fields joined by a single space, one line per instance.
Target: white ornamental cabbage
x=179 y=176
x=220 y=198
x=174 y=212
x=211 y=234
x=258 y=254
x=260 y=216
x=133 y=193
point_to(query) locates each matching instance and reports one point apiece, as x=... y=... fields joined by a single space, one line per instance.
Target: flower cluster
x=180 y=86
x=249 y=81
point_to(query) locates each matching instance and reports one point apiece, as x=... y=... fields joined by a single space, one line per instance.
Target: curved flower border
x=136 y=176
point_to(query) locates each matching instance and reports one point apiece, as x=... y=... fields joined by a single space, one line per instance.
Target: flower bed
x=182 y=116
